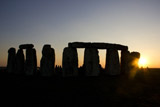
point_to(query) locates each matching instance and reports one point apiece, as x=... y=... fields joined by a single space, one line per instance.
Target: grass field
x=140 y=89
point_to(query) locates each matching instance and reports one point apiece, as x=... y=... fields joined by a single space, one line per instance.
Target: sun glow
x=142 y=62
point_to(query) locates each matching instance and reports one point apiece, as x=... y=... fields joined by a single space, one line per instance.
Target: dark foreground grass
x=141 y=89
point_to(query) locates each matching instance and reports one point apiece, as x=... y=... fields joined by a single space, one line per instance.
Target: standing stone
x=11 y=60
x=124 y=61
x=133 y=60
x=91 y=62
x=34 y=60
x=112 y=62
x=19 y=62
x=47 y=63
x=70 y=62
x=31 y=61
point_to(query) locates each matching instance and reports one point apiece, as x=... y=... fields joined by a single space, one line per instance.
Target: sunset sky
x=135 y=23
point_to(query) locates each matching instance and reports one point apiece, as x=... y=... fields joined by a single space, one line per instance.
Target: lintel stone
x=26 y=46
x=97 y=45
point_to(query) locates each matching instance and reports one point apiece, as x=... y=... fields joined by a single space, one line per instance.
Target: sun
x=142 y=62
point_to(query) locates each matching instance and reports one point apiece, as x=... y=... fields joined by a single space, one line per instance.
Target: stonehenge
x=26 y=46
x=112 y=62
x=19 y=63
x=30 y=65
x=47 y=62
x=125 y=55
x=11 y=60
x=97 y=45
x=91 y=57
x=91 y=62
x=70 y=62
x=133 y=60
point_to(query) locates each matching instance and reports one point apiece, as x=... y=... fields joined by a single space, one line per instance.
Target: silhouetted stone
x=80 y=45
x=47 y=61
x=91 y=62
x=31 y=62
x=35 y=60
x=125 y=61
x=135 y=54
x=46 y=51
x=113 y=65
x=70 y=62
x=97 y=45
x=26 y=46
x=11 y=60
x=133 y=59
x=109 y=46
x=112 y=62
x=19 y=62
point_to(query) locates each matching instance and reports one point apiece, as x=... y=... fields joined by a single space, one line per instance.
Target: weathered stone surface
x=47 y=64
x=11 y=60
x=70 y=62
x=91 y=62
x=19 y=62
x=26 y=46
x=125 y=61
x=31 y=62
x=112 y=62
x=97 y=45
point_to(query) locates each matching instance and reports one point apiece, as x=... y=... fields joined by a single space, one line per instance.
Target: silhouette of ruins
x=19 y=65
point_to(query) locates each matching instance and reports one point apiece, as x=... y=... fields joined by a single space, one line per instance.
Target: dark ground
x=141 y=90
